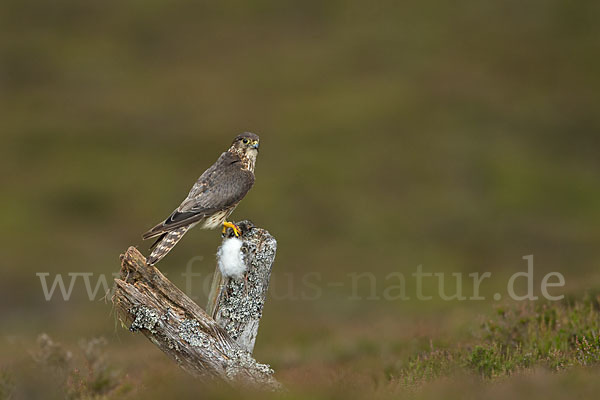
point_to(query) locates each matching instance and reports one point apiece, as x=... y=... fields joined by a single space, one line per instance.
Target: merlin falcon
x=212 y=198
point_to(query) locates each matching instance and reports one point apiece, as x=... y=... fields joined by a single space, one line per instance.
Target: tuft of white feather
x=231 y=260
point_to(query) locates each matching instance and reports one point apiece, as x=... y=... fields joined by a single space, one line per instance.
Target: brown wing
x=220 y=187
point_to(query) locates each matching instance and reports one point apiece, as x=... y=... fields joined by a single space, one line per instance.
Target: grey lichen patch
x=144 y=318
x=172 y=345
x=190 y=333
x=266 y=255
x=243 y=302
x=242 y=360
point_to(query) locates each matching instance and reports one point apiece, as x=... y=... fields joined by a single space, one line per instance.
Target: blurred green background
x=457 y=135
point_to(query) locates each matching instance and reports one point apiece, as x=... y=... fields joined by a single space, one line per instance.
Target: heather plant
x=519 y=337
x=85 y=374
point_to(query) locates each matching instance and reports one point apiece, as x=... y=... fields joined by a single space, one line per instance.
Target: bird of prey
x=212 y=198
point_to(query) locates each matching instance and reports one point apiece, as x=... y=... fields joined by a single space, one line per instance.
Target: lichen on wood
x=149 y=303
x=237 y=304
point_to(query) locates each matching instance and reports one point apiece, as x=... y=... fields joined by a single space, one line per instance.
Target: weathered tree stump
x=149 y=303
x=237 y=304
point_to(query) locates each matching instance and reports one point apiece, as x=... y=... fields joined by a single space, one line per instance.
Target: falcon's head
x=246 y=147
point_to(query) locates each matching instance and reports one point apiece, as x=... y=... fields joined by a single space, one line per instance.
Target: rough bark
x=149 y=303
x=237 y=304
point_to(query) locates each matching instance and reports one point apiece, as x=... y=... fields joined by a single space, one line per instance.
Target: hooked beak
x=255 y=145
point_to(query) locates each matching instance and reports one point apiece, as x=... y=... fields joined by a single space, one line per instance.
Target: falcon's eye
x=245 y=141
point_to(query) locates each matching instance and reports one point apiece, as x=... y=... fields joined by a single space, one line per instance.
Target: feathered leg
x=165 y=244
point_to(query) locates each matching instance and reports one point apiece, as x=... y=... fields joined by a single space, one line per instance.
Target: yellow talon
x=236 y=230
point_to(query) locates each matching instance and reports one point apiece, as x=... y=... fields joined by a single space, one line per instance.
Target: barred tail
x=166 y=243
